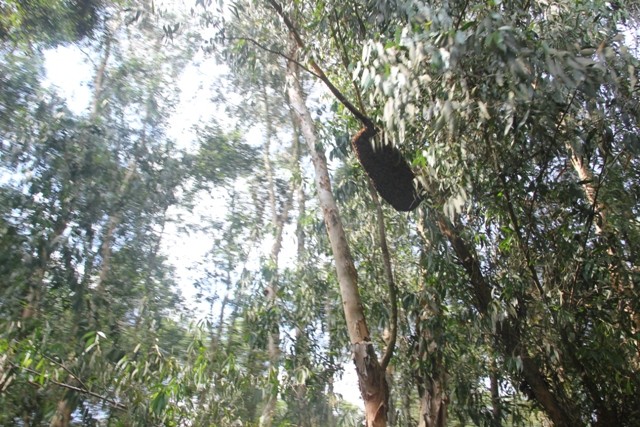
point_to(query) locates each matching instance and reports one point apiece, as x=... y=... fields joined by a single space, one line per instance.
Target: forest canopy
x=439 y=200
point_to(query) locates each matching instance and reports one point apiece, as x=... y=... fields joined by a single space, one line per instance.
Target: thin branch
x=339 y=39
x=320 y=73
x=67 y=370
x=275 y=52
x=388 y=274
x=462 y=12
x=524 y=246
x=111 y=402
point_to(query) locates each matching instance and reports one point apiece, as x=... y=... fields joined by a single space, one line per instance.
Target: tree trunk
x=62 y=417
x=619 y=274
x=560 y=414
x=278 y=222
x=496 y=410
x=432 y=405
x=432 y=380
x=373 y=386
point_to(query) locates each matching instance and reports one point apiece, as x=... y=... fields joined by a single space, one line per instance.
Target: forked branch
x=366 y=121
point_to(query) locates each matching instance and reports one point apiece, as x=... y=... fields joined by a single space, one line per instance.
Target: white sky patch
x=68 y=71
x=196 y=104
x=187 y=250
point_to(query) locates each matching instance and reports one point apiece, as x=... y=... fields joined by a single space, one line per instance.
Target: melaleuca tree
x=508 y=112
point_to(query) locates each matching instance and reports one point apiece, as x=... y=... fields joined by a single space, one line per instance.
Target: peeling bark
x=62 y=417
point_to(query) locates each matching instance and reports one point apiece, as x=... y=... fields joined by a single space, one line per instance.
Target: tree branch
x=67 y=370
x=319 y=72
x=275 y=52
x=391 y=284
x=507 y=332
x=111 y=402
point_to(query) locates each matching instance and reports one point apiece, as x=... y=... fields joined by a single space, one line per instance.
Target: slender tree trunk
x=64 y=408
x=307 y=416
x=619 y=276
x=620 y=280
x=373 y=385
x=278 y=222
x=112 y=224
x=99 y=79
x=431 y=381
x=494 y=379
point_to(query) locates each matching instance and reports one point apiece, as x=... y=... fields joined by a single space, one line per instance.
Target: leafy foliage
x=517 y=275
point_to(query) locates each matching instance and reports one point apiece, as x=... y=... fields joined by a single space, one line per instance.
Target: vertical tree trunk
x=431 y=381
x=559 y=412
x=432 y=405
x=496 y=411
x=619 y=275
x=278 y=222
x=62 y=417
x=373 y=385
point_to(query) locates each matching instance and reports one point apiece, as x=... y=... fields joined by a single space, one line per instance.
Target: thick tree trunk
x=433 y=409
x=373 y=386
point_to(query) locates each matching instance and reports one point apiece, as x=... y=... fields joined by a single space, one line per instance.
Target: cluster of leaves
x=523 y=123
x=517 y=276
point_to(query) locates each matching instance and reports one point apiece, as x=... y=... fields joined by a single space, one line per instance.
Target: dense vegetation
x=509 y=296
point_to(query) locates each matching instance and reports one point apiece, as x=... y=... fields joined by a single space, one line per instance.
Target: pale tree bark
x=278 y=221
x=373 y=385
x=433 y=410
x=62 y=417
x=305 y=415
x=432 y=383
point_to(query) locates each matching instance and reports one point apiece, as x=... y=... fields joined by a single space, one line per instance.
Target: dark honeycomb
x=391 y=175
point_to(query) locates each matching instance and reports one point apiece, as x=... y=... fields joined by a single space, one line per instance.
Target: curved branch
x=318 y=71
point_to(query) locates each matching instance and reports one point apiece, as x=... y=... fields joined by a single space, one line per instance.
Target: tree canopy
x=440 y=199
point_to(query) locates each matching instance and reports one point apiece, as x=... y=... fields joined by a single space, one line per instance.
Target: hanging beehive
x=391 y=175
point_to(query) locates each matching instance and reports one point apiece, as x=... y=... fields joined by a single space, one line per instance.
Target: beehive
x=391 y=175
